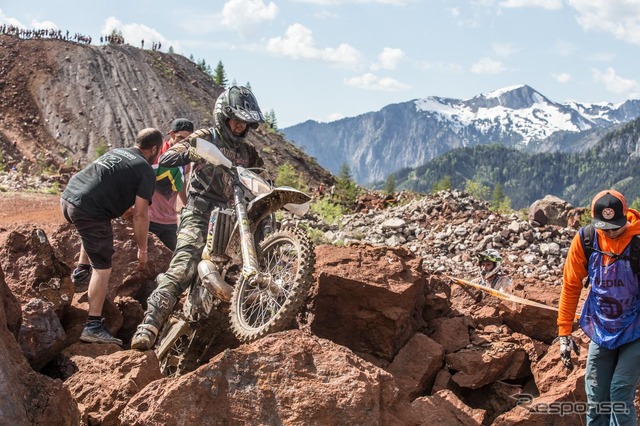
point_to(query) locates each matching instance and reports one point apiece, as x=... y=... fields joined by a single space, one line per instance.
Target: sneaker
x=98 y=334
x=80 y=277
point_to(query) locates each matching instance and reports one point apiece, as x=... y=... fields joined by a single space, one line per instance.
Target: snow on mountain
x=518 y=109
x=411 y=133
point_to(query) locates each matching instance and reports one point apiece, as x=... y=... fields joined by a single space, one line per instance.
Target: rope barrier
x=503 y=296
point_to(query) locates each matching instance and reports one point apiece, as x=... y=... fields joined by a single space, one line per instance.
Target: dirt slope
x=62 y=102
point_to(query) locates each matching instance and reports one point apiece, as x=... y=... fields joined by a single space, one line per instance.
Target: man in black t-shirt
x=102 y=191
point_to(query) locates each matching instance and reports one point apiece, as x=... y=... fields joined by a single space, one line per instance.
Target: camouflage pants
x=192 y=234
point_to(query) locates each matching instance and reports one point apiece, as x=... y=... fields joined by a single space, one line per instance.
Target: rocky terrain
x=384 y=337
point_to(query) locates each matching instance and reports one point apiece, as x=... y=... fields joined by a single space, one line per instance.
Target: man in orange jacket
x=610 y=315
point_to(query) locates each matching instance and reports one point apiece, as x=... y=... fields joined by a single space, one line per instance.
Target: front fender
x=274 y=200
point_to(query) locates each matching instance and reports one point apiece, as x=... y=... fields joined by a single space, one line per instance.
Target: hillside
x=61 y=102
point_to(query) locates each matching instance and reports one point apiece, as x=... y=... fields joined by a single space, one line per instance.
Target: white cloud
x=388 y=59
x=545 y=4
x=4 y=19
x=134 y=34
x=455 y=11
x=504 y=49
x=563 y=77
x=43 y=25
x=488 y=66
x=372 y=82
x=617 y=84
x=240 y=15
x=618 y=17
x=298 y=43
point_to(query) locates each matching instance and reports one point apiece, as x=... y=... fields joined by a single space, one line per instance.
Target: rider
x=236 y=111
x=491 y=272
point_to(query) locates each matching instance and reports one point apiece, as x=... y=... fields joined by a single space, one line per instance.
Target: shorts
x=96 y=234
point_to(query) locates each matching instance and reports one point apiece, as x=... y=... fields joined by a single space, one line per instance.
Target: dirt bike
x=251 y=271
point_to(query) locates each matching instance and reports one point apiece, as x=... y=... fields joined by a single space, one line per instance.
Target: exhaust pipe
x=213 y=282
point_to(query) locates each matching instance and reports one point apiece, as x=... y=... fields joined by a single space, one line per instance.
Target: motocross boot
x=159 y=307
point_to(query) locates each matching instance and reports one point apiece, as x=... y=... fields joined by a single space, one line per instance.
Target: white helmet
x=493 y=256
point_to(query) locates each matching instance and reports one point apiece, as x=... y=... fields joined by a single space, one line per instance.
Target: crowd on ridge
x=51 y=33
x=56 y=34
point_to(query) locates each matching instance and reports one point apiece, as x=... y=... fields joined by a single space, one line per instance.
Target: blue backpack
x=588 y=235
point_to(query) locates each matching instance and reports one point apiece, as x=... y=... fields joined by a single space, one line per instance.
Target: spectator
x=163 y=220
x=610 y=315
x=102 y=191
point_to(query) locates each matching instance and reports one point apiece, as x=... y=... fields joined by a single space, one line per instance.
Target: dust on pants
x=192 y=233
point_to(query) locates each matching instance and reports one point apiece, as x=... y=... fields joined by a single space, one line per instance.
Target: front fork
x=250 y=267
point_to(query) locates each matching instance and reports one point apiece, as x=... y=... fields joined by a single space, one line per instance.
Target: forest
x=526 y=177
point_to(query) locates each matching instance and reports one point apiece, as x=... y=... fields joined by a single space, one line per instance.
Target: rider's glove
x=193 y=155
x=567 y=344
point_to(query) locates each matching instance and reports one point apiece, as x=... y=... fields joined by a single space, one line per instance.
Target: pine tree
x=346 y=189
x=498 y=195
x=390 y=185
x=220 y=75
x=270 y=118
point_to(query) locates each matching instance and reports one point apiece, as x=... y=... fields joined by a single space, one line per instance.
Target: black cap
x=609 y=210
x=181 y=124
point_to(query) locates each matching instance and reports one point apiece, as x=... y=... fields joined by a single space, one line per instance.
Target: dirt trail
x=17 y=208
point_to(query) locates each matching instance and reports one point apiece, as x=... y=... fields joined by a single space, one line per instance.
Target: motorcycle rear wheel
x=287 y=257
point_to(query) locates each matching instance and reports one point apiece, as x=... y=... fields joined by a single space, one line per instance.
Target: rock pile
x=448 y=229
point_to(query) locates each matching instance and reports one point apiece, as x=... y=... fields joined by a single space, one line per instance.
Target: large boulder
x=290 y=377
x=104 y=384
x=550 y=210
x=369 y=299
x=28 y=397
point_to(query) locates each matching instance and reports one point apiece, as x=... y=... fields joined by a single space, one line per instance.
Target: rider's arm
x=179 y=153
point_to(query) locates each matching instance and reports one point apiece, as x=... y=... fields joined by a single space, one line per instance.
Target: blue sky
x=328 y=59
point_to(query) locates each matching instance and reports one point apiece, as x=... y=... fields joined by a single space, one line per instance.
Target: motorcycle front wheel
x=287 y=260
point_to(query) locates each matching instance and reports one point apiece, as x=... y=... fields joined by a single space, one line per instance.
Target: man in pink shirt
x=170 y=184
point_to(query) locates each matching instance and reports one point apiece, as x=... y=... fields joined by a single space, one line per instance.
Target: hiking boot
x=95 y=332
x=144 y=338
x=80 y=278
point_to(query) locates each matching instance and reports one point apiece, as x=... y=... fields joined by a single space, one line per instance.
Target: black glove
x=567 y=344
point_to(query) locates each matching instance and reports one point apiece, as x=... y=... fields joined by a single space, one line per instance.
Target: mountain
x=61 y=103
x=576 y=177
x=410 y=134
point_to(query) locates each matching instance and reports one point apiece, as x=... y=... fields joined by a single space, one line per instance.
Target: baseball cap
x=609 y=210
x=181 y=124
